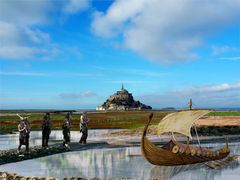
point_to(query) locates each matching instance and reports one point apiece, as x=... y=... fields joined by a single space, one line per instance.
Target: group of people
x=24 y=130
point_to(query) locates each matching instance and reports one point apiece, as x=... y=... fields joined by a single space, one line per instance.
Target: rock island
x=122 y=100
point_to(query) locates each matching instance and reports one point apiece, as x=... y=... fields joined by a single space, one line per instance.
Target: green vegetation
x=224 y=113
x=217 y=130
x=98 y=120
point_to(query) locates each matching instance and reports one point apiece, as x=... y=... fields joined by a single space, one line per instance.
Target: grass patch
x=101 y=120
x=98 y=120
x=217 y=130
x=224 y=113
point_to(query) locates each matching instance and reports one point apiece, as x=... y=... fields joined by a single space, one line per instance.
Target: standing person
x=190 y=104
x=24 y=131
x=84 y=128
x=46 y=129
x=66 y=130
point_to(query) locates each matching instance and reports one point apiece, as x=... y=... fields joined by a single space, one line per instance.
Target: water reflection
x=117 y=164
x=194 y=172
x=105 y=164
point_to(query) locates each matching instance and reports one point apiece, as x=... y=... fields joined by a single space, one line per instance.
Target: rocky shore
x=8 y=156
x=8 y=176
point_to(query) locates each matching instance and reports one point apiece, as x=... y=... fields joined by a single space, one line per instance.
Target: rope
x=173 y=137
x=197 y=136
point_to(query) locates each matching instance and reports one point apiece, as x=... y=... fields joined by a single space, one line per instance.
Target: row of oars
x=222 y=163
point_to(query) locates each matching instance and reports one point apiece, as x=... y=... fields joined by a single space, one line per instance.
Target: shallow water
x=119 y=164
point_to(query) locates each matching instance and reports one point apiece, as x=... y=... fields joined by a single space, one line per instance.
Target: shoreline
x=14 y=176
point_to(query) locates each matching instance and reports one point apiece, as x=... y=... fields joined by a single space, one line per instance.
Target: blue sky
x=74 y=54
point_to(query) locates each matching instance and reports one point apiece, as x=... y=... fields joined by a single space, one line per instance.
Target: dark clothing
x=46 y=130
x=66 y=136
x=45 y=136
x=84 y=136
x=84 y=129
x=24 y=133
x=24 y=140
x=66 y=132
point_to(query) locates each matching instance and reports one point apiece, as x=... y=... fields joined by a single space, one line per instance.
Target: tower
x=122 y=87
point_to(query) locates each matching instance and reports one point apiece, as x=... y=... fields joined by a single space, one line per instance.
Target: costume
x=84 y=128
x=24 y=133
x=66 y=130
x=46 y=129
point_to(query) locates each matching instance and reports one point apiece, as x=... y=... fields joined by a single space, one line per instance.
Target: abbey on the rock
x=122 y=100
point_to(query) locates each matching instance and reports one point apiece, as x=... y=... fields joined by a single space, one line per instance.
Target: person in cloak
x=84 y=128
x=46 y=129
x=24 y=133
x=66 y=130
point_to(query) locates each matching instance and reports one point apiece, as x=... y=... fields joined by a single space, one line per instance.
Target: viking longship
x=175 y=153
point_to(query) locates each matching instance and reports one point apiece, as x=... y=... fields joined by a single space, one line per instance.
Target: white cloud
x=226 y=52
x=223 y=95
x=165 y=31
x=19 y=36
x=9 y=34
x=25 y=12
x=37 y=36
x=17 y=52
x=74 y=6
x=216 y=88
x=112 y=22
x=13 y=34
x=84 y=94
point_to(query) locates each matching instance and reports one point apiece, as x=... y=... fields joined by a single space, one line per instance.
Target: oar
x=221 y=163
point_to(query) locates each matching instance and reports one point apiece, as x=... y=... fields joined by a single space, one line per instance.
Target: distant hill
x=122 y=100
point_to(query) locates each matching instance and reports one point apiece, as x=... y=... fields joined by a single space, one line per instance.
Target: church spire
x=122 y=87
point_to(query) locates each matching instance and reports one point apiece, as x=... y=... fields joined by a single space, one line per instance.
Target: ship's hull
x=174 y=153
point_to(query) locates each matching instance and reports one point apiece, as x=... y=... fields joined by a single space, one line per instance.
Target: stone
x=122 y=100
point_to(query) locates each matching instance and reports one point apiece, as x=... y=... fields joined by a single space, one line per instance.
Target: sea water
x=120 y=163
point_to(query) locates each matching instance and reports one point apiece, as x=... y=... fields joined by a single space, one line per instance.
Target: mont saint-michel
x=122 y=100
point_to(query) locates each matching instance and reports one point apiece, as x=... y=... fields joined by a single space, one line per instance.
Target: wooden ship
x=175 y=153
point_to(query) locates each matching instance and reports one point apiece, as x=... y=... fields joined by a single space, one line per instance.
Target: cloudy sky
x=65 y=54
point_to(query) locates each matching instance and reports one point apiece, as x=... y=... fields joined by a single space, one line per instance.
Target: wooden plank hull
x=166 y=157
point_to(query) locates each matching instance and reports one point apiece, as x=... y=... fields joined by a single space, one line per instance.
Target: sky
x=74 y=54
